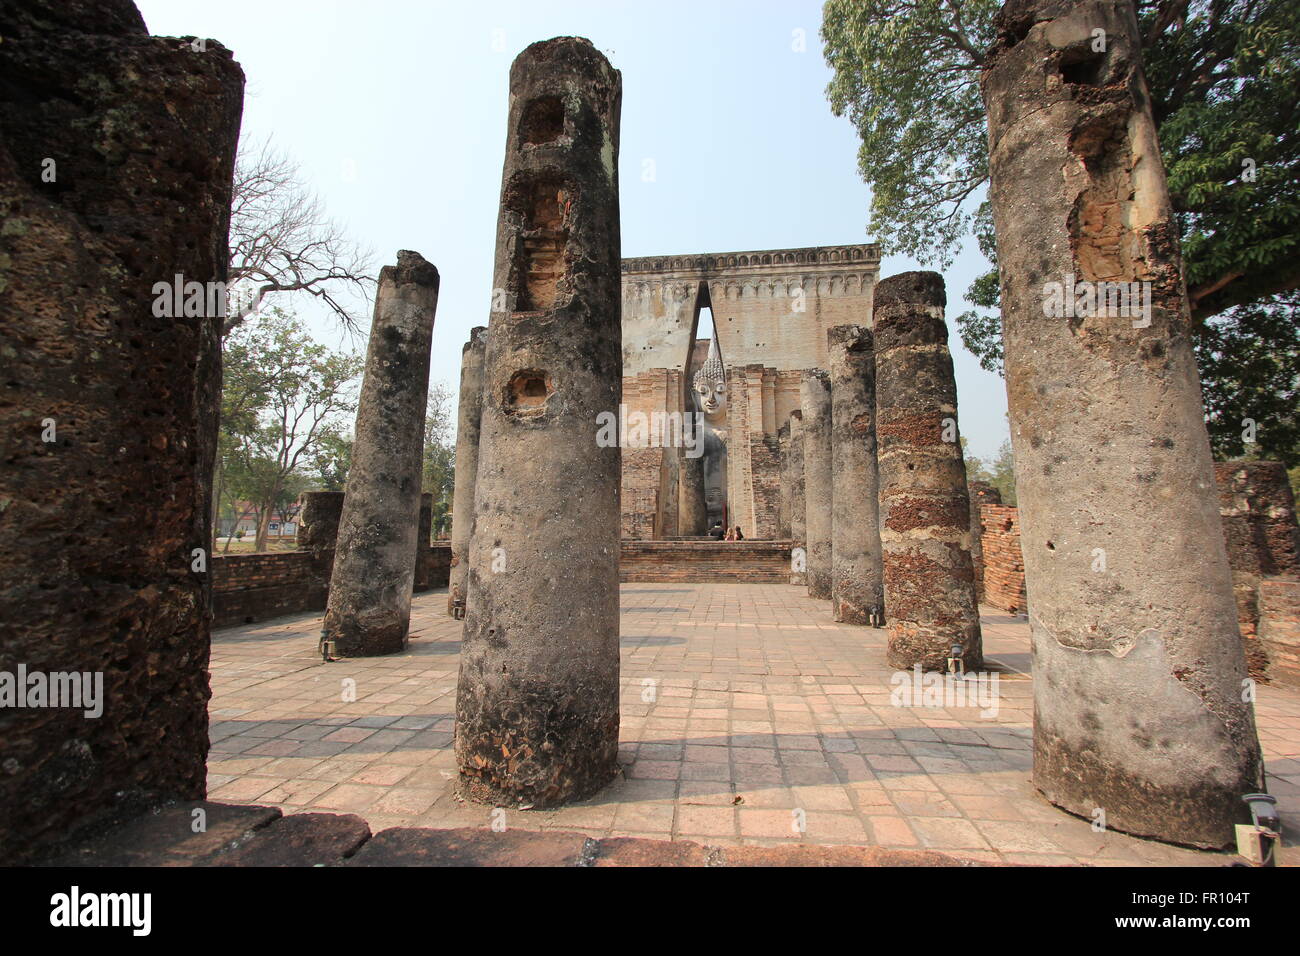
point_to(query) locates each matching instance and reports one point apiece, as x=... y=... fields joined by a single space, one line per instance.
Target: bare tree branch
x=281 y=241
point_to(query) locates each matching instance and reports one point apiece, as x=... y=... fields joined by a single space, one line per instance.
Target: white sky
x=397 y=112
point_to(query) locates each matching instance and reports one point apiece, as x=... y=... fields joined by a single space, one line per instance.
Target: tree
x=282 y=242
x=331 y=461
x=1225 y=84
x=439 y=468
x=1250 y=363
x=292 y=397
x=1000 y=472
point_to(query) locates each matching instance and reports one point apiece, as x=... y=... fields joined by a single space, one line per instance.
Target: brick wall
x=1279 y=629
x=254 y=587
x=1259 y=527
x=753 y=562
x=1004 y=567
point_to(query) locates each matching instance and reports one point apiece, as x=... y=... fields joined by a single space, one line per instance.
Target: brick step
x=263 y=836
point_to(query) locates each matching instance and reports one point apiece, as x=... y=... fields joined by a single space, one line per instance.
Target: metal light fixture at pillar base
x=955 y=665
x=1257 y=841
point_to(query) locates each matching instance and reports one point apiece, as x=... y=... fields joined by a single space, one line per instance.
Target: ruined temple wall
x=771 y=310
x=649 y=474
x=770 y=307
x=761 y=399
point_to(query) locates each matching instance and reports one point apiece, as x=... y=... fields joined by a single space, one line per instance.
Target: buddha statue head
x=709 y=386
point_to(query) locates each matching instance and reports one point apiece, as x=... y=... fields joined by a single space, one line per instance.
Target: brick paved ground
x=747 y=713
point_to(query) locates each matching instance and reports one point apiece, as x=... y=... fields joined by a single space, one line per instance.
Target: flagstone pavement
x=748 y=717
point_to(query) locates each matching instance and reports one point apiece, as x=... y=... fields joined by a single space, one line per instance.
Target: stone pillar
x=116 y=152
x=424 y=532
x=537 y=700
x=783 y=464
x=693 y=513
x=369 y=609
x=318 y=521
x=857 y=582
x=467 y=439
x=980 y=493
x=1138 y=707
x=815 y=396
x=798 y=536
x=930 y=599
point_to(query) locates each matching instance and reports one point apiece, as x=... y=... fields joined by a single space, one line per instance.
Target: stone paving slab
x=404 y=846
x=261 y=836
x=301 y=839
x=749 y=718
x=167 y=836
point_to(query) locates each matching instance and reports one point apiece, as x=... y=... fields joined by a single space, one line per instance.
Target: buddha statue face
x=711 y=396
x=710 y=387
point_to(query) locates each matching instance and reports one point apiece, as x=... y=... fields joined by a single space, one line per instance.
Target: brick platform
x=705 y=562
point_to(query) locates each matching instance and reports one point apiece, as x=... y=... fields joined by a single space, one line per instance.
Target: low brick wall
x=1259 y=527
x=705 y=562
x=1279 y=629
x=254 y=587
x=1004 y=567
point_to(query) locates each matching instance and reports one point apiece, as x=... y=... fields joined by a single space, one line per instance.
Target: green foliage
x=999 y=472
x=1225 y=84
x=907 y=76
x=285 y=399
x=1250 y=361
x=331 y=461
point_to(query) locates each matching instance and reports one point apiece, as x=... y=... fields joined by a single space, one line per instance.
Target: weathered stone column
x=369 y=609
x=467 y=439
x=815 y=395
x=318 y=521
x=116 y=151
x=783 y=464
x=537 y=700
x=930 y=602
x=798 y=535
x=1138 y=708
x=423 y=534
x=981 y=493
x=693 y=512
x=857 y=575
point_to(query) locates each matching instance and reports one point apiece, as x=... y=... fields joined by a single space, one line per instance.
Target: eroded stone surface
x=537 y=701
x=1138 y=705
x=925 y=523
x=181 y=834
x=301 y=839
x=115 y=174
x=470 y=847
x=857 y=583
x=369 y=606
x=818 y=486
x=467 y=438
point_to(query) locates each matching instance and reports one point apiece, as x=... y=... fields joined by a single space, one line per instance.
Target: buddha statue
x=709 y=391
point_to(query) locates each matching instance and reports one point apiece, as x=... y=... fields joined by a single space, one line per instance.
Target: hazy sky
x=397 y=113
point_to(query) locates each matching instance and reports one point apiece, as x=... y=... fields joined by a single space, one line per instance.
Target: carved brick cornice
x=813 y=260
